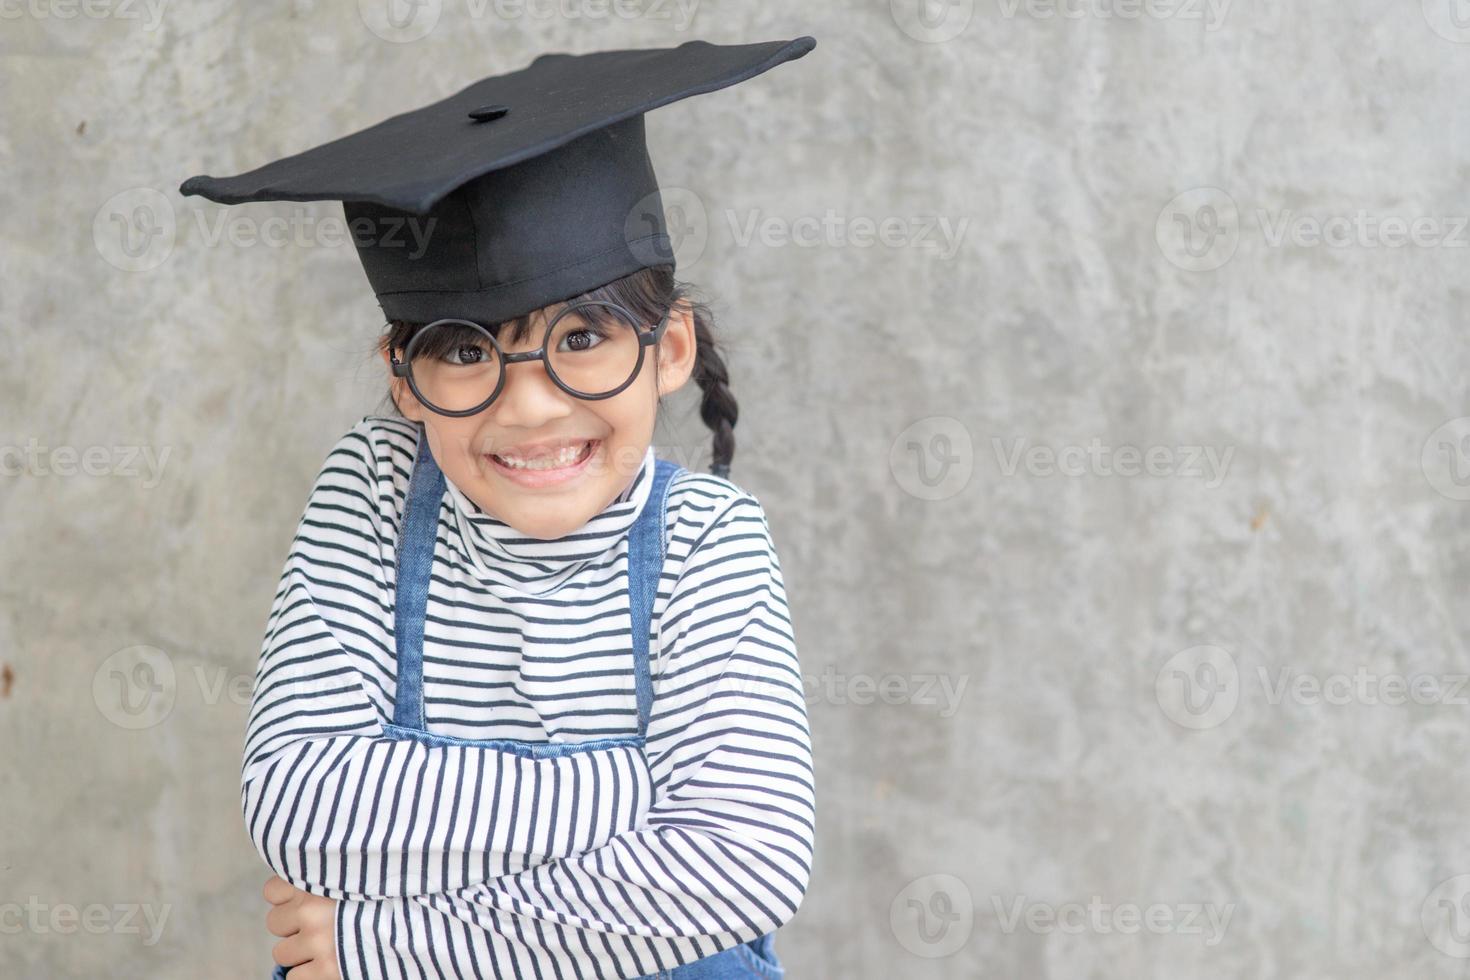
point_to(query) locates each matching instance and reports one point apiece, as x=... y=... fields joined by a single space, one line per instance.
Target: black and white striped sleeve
x=725 y=851
x=338 y=809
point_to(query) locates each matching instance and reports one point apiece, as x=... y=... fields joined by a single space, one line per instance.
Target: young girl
x=528 y=702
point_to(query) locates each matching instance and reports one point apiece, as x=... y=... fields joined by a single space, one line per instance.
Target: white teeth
x=562 y=457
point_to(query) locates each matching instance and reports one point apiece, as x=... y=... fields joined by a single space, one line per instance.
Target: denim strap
x=416 y=537
x=415 y=561
x=645 y=566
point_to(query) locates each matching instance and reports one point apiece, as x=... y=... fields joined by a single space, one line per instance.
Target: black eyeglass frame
x=404 y=368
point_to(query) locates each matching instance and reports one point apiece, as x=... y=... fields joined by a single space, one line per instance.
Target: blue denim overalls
x=756 y=958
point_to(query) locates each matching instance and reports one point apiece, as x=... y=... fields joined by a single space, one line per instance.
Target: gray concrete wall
x=1102 y=371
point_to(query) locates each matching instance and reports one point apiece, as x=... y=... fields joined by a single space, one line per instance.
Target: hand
x=309 y=923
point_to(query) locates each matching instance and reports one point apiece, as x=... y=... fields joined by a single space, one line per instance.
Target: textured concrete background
x=1102 y=373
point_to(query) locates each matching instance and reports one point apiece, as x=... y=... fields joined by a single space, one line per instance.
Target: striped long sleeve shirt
x=460 y=861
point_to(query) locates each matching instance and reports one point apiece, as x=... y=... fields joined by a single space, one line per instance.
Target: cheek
x=634 y=411
x=630 y=418
x=626 y=422
x=454 y=442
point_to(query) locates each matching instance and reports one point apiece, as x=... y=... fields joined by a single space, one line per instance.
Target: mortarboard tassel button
x=488 y=112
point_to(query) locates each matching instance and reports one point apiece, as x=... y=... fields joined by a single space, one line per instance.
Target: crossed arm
x=468 y=861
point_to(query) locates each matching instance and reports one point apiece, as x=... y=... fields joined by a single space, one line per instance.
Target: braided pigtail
x=718 y=407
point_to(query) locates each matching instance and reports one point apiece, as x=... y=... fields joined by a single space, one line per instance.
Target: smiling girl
x=528 y=702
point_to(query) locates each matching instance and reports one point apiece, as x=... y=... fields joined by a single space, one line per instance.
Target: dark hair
x=648 y=294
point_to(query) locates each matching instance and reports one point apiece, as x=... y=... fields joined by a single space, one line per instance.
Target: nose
x=529 y=398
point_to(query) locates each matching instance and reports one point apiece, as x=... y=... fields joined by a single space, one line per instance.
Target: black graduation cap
x=526 y=189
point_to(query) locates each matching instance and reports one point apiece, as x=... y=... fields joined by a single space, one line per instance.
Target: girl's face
x=532 y=417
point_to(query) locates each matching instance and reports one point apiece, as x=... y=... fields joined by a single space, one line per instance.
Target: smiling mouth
x=562 y=459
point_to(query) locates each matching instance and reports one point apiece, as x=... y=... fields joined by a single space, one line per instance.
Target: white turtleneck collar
x=491 y=544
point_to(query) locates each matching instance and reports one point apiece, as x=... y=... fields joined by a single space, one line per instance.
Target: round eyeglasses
x=592 y=349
